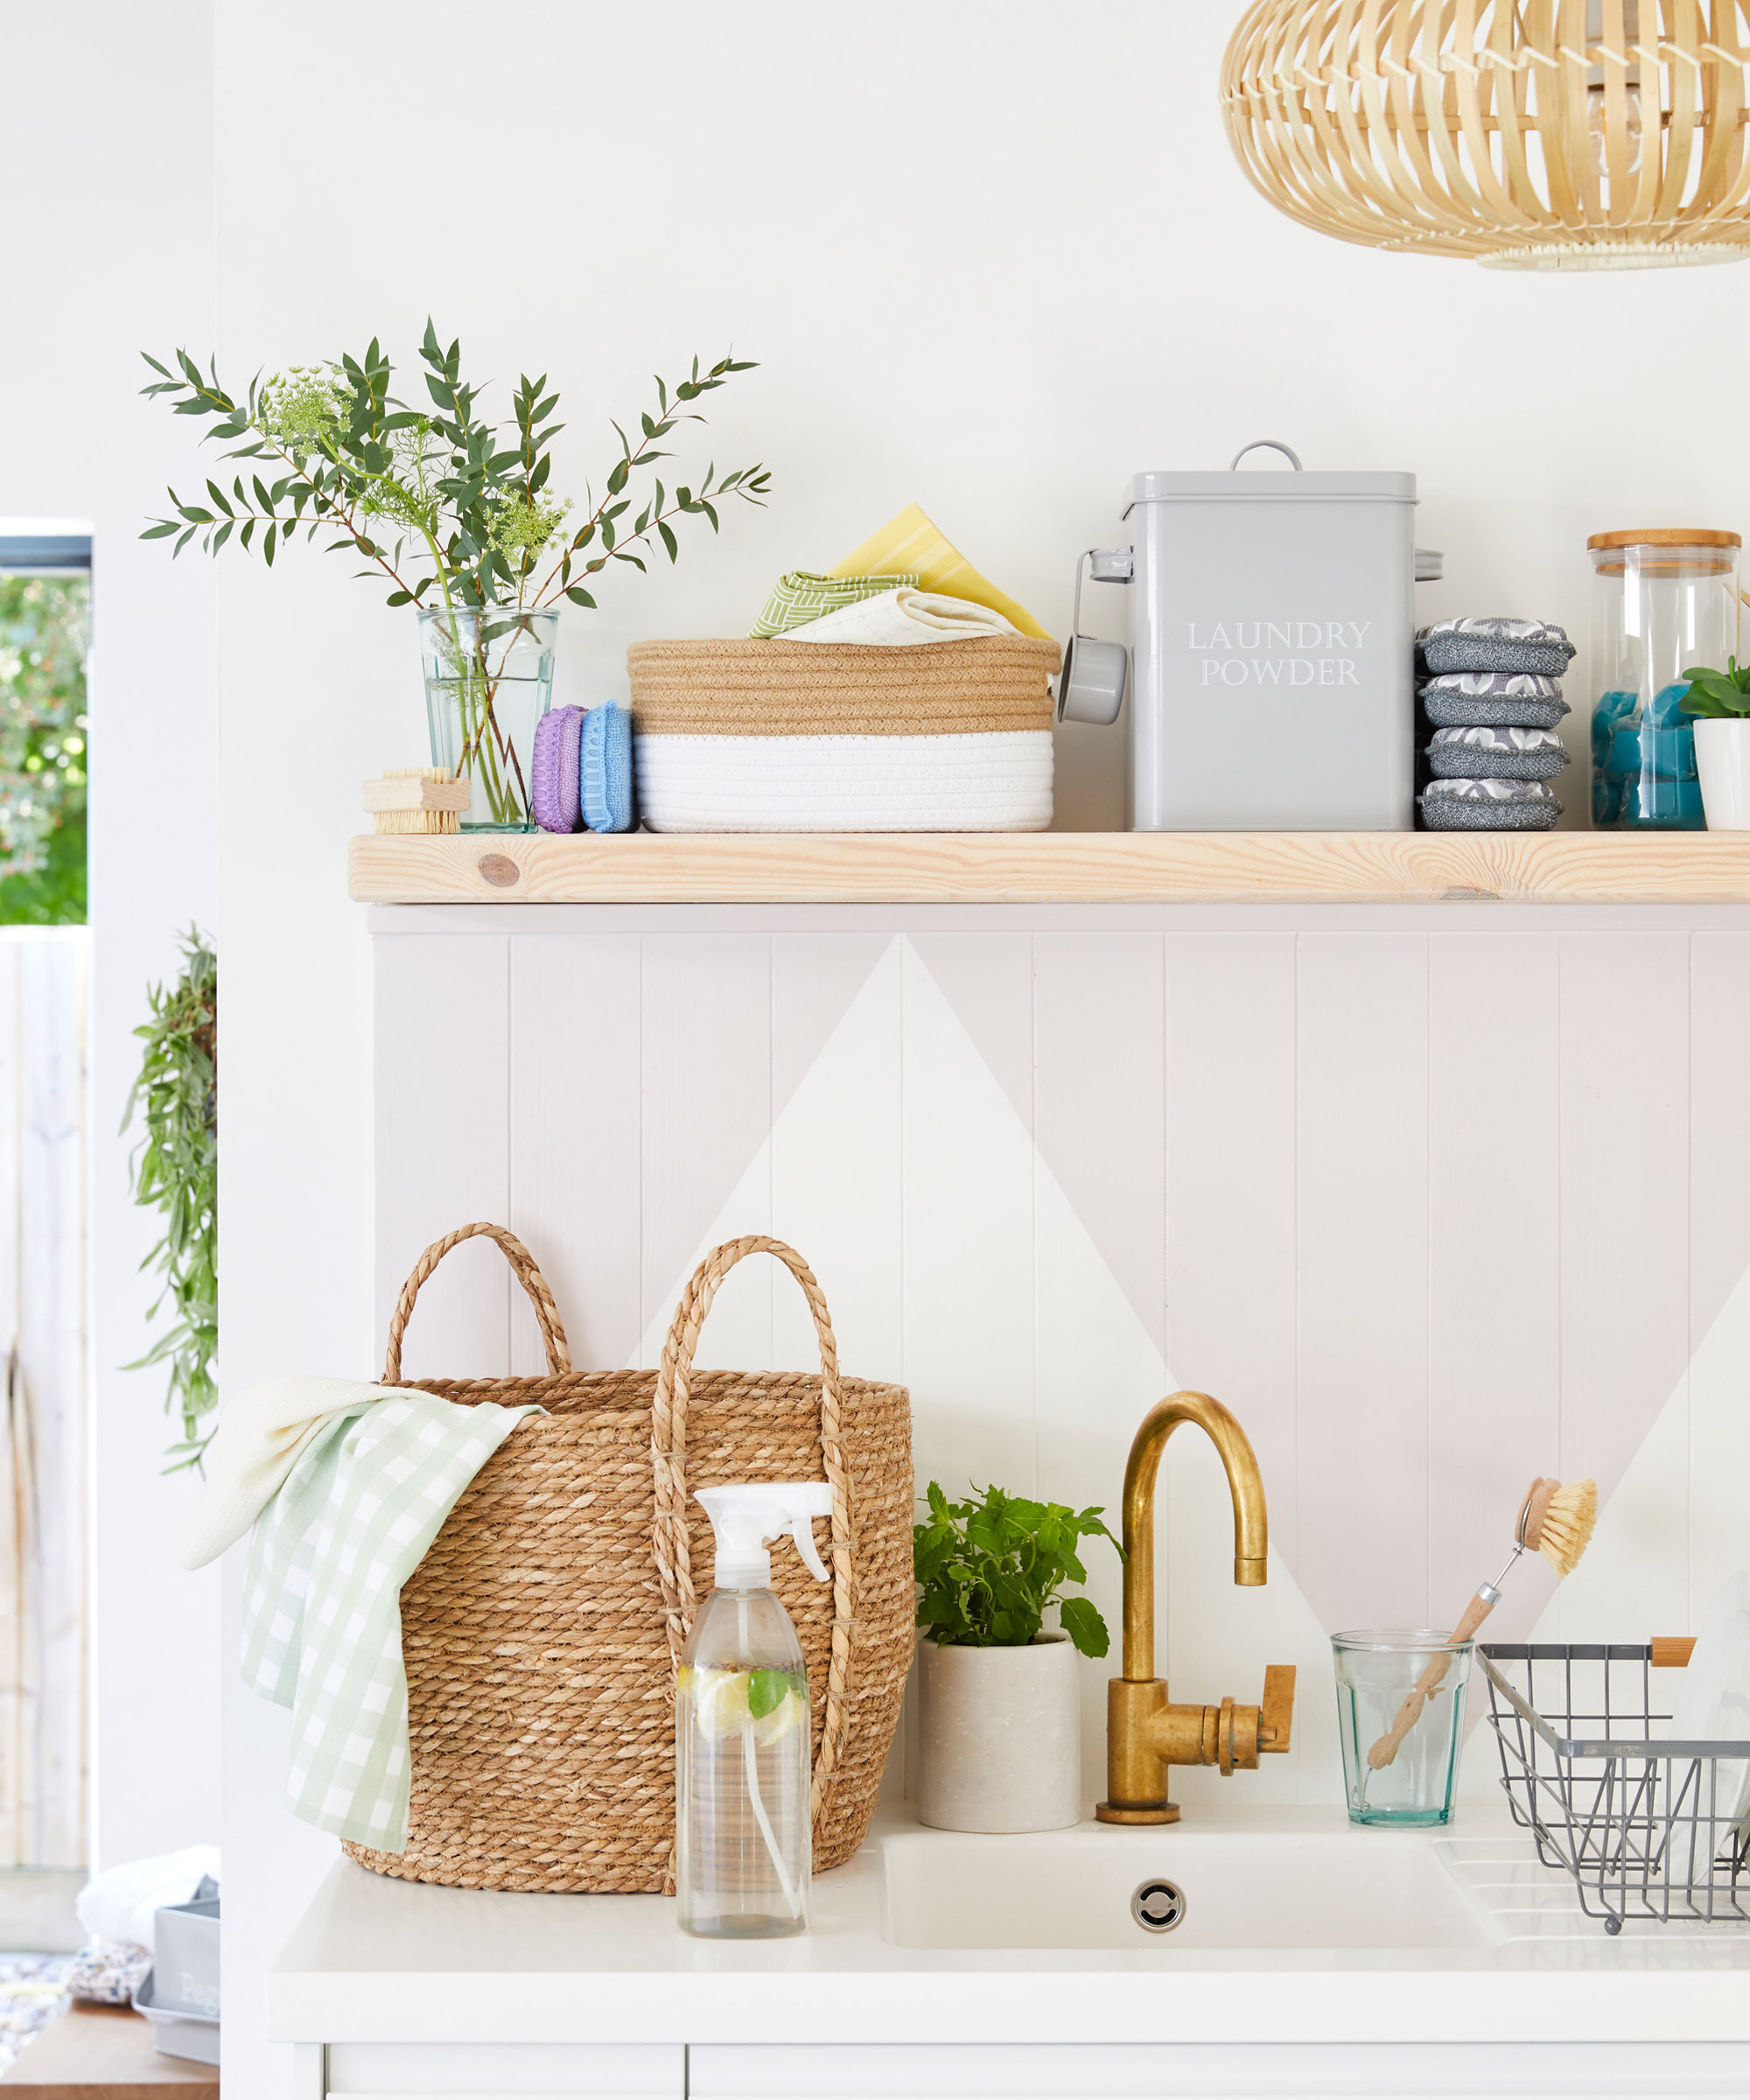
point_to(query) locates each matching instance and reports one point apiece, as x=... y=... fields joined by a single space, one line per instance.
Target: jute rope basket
x=543 y=1630
x=1531 y=134
x=799 y=688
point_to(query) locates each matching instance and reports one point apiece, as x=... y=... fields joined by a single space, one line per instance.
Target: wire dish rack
x=1647 y=1827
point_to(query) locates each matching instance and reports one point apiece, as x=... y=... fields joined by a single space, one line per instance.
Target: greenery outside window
x=45 y=736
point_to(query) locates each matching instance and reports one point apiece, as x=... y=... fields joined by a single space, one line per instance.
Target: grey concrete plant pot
x=1000 y=1734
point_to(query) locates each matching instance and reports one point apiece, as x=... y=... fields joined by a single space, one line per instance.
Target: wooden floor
x=104 y=2053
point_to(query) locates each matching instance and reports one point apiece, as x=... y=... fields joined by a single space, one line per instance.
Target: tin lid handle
x=1267 y=445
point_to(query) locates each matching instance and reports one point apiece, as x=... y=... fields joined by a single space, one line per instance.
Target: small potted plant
x=1001 y=1711
x=1720 y=703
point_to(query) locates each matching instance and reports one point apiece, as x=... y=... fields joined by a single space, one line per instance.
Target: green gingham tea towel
x=322 y=1603
x=799 y=596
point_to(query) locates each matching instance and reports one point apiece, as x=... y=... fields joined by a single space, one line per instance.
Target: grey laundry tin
x=1271 y=631
x=185 y=1957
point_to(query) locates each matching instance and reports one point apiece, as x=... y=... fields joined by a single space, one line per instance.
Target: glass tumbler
x=1376 y=1671
x=1661 y=602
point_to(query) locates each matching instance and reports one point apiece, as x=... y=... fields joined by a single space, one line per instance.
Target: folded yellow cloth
x=911 y=541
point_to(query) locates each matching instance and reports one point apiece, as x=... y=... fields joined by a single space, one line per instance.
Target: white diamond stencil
x=953 y=1261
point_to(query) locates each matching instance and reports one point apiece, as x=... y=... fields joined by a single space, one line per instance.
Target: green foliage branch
x=1718 y=695
x=457 y=513
x=990 y=1567
x=435 y=488
x=176 y=1172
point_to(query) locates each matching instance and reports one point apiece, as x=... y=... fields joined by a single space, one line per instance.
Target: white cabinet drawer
x=1219 y=2071
x=528 y=2070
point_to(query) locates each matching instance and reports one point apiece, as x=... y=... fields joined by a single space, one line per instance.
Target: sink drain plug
x=1158 y=1906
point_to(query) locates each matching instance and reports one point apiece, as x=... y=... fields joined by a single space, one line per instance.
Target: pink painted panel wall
x=1361 y=1199
x=1432 y=1210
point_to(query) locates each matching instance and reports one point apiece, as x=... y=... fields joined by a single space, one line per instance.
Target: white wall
x=106 y=166
x=994 y=256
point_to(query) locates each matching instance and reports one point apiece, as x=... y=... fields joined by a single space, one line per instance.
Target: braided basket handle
x=522 y=1267
x=668 y=1462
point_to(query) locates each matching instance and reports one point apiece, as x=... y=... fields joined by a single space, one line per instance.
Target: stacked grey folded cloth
x=1489 y=690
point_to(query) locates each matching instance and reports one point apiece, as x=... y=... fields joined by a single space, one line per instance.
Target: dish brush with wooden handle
x=1554 y=1520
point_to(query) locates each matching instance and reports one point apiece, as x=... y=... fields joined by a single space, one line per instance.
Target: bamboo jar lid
x=1666 y=535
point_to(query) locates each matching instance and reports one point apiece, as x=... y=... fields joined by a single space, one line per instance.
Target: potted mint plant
x=1001 y=1712
x=1719 y=701
x=456 y=514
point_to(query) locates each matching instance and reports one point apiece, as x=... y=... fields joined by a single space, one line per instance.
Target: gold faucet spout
x=1245 y=1484
x=1146 y=1734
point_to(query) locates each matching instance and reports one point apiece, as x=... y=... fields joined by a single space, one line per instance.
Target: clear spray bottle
x=742 y=1740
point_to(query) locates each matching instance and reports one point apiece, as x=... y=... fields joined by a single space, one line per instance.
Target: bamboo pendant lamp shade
x=1530 y=134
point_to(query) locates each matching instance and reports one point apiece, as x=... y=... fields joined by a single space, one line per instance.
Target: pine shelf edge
x=1054 y=867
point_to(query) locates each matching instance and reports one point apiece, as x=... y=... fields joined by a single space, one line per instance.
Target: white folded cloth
x=904 y=618
x=122 y=1904
x=996 y=781
x=260 y=1433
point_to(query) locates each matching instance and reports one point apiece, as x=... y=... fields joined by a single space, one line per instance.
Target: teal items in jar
x=1662 y=601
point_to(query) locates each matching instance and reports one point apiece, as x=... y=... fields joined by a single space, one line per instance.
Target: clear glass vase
x=489 y=681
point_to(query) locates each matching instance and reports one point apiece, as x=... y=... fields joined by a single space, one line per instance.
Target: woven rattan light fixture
x=1530 y=134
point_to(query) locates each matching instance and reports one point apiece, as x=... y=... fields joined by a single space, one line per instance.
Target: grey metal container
x=185 y=1957
x=1271 y=630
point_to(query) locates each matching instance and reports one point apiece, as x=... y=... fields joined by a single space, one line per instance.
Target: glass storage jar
x=1662 y=601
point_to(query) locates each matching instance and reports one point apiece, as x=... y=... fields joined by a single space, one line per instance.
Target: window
x=44 y=634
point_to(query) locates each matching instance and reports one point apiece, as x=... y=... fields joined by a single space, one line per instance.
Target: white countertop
x=380 y=1960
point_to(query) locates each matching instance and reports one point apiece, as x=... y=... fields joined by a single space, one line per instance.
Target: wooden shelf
x=1073 y=867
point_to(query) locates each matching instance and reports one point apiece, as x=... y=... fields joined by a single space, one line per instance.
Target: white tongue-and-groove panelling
x=1434 y=1207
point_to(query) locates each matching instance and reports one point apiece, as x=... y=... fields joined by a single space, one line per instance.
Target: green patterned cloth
x=322 y=1602
x=800 y=596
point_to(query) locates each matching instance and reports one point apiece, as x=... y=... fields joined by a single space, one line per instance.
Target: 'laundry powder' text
x=1297 y=666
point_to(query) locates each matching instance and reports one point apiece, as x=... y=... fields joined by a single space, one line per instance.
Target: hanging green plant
x=176 y=1171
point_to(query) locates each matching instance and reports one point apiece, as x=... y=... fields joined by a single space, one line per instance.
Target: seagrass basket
x=983 y=686
x=542 y=1631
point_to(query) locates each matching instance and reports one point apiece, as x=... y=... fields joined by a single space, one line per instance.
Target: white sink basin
x=1257 y=1891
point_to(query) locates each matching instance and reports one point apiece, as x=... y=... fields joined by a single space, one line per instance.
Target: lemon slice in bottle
x=789 y=1713
x=720 y=1701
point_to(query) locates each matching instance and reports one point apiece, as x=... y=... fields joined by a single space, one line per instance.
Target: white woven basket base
x=999 y=782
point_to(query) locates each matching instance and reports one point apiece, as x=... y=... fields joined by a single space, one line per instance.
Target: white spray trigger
x=744 y=1518
x=819 y=1504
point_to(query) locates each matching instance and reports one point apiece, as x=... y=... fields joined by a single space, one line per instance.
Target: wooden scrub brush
x=1554 y=1520
x=425 y=800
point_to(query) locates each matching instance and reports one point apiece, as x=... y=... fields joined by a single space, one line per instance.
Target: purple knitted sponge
x=553 y=769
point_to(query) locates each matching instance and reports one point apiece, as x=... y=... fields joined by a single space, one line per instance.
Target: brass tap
x=1145 y=1735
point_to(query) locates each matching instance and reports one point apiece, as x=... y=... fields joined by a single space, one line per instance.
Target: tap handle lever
x=1278 y=1712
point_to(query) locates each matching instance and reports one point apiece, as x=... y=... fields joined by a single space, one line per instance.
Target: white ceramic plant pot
x=1722 y=750
x=1000 y=1735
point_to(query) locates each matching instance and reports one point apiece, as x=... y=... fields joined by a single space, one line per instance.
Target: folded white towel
x=994 y=782
x=904 y=618
x=260 y=1433
x=122 y=1903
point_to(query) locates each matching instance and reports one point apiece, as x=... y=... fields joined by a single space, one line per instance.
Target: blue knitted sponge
x=605 y=764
